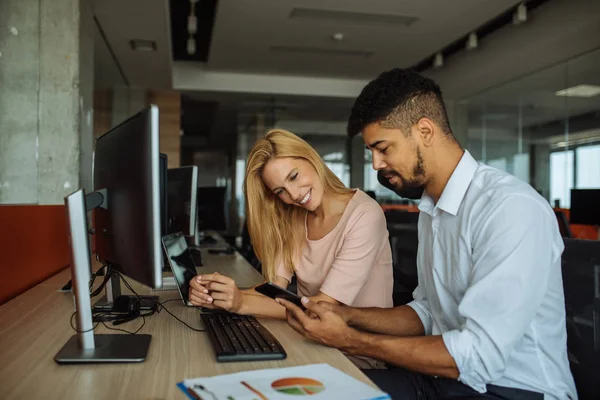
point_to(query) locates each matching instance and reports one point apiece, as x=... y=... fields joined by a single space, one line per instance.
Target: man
x=488 y=316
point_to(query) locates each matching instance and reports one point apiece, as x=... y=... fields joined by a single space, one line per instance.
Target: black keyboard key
x=221 y=338
x=249 y=342
x=234 y=340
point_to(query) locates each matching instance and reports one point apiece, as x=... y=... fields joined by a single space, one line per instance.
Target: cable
x=160 y=305
x=126 y=331
x=77 y=330
x=192 y=328
x=107 y=276
x=104 y=316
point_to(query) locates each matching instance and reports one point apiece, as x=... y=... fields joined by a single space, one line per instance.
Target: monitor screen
x=126 y=165
x=211 y=208
x=585 y=206
x=182 y=184
x=181 y=262
x=164 y=194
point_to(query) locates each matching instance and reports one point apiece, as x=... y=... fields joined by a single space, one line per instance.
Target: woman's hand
x=215 y=291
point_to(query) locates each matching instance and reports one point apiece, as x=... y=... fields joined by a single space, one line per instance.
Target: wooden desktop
x=35 y=325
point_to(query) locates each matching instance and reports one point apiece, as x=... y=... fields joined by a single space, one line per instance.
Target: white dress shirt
x=490 y=282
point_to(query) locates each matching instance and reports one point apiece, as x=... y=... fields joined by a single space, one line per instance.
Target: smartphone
x=273 y=291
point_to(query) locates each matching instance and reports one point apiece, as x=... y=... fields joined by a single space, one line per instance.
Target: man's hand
x=342 y=310
x=328 y=328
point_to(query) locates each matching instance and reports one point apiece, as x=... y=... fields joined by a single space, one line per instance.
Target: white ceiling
x=245 y=32
x=125 y=20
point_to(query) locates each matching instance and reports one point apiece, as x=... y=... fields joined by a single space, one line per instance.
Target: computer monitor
x=128 y=231
x=126 y=204
x=164 y=194
x=211 y=208
x=563 y=224
x=585 y=206
x=182 y=187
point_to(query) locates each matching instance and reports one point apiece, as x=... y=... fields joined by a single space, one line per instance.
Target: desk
x=35 y=325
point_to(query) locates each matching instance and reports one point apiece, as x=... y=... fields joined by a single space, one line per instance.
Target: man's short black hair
x=398 y=99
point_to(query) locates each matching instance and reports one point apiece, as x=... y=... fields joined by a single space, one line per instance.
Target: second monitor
x=182 y=184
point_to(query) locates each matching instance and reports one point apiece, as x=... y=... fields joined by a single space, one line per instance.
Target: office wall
x=102 y=111
x=169 y=104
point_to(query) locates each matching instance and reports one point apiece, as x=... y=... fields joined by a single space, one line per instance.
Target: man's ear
x=425 y=130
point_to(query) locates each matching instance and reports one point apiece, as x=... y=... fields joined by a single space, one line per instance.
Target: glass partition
x=544 y=128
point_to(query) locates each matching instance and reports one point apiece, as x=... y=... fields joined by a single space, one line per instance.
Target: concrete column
x=46 y=76
x=19 y=100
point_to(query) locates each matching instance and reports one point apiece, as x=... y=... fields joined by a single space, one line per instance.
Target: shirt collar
x=455 y=189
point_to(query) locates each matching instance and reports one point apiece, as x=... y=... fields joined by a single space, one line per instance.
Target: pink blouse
x=353 y=262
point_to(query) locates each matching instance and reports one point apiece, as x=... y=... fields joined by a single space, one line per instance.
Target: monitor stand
x=85 y=346
x=113 y=290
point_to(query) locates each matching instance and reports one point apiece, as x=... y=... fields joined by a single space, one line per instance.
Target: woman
x=303 y=221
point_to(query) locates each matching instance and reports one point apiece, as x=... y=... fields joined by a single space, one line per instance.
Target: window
x=521 y=166
x=499 y=163
x=240 y=173
x=341 y=170
x=588 y=167
x=561 y=177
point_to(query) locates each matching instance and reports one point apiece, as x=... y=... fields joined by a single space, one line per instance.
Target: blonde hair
x=276 y=228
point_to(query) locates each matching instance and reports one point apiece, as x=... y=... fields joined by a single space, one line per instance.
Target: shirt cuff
x=423 y=314
x=460 y=346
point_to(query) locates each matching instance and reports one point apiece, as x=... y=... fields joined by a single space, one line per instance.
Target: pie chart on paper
x=298 y=386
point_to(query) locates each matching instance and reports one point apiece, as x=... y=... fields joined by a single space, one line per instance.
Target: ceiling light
x=472 y=41
x=192 y=28
x=520 y=14
x=580 y=91
x=192 y=25
x=142 y=45
x=438 y=60
x=338 y=37
x=191 y=46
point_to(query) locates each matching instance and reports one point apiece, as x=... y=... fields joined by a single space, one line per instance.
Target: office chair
x=404 y=242
x=247 y=251
x=563 y=224
x=581 y=282
x=401 y=217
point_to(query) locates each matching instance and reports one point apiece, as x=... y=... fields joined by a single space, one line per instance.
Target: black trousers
x=402 y=384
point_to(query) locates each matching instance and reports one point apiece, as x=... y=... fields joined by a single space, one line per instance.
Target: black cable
x=104 y=316
x=107 y=276
x=126 y=331
x=160 y=305
x=77 y=330
x=174 y=316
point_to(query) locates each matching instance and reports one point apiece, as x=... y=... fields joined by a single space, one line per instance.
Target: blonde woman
x=303 y=221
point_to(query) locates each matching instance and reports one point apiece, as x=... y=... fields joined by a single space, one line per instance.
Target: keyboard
x=240 y=338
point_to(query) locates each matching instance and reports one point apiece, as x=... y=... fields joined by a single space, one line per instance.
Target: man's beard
x=410 y=189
